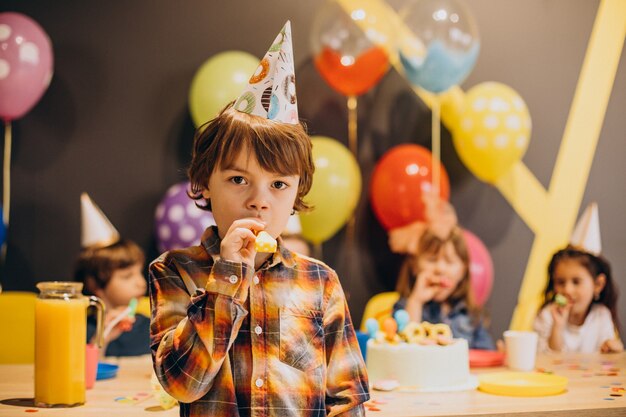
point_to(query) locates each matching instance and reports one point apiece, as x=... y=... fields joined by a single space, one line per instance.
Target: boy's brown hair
x=278 y=147
x=95 y=265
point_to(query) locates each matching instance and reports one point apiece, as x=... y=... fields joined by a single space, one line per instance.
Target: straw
x=127 y=312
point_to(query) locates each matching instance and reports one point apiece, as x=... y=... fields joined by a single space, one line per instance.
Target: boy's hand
x=238 y=243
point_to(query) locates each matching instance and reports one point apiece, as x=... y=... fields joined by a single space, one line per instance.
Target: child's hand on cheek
x=238 y=243
x=425 y=288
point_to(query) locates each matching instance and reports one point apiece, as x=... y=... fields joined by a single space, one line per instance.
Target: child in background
x=236 y=331
x=579 y=313
x=112 y=269
x=434 y=281
x=293 y=239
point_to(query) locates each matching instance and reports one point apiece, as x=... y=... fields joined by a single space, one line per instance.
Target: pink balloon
x=481 y=268
x=25 y=64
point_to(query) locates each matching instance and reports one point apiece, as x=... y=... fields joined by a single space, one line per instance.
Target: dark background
x=115 y=123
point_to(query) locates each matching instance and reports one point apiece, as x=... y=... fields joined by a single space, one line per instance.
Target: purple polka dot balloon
x=178 y=222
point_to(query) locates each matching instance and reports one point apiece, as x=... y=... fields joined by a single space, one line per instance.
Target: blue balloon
x=442 y=45
x=372 y=327
x=402 y=318
x=442 y=67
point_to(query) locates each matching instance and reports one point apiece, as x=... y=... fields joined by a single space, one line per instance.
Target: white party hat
x=293 y=226
x=271 y=91
x=97 y=231
x=587 y=231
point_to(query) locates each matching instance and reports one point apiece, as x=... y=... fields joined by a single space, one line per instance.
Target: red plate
x=483 y=358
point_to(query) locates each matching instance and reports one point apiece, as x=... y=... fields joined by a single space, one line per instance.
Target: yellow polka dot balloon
x=493 y=130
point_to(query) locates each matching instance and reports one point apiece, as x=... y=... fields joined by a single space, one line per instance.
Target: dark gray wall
x=115 y=123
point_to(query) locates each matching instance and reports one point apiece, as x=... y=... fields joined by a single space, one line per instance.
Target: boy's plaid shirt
x=278 y=342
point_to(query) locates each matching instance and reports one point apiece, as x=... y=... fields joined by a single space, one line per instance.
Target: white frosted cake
x=419 y=366
x=419 y=362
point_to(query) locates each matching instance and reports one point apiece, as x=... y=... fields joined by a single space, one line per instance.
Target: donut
x=266 y=97
x=288 y=82
x=245 y=103
x=264 y=66
x=440 y=330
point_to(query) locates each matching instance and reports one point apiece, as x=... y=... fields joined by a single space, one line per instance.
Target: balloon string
x=436 y=143
x=352 y=125
x=6 y=187
x=352 y=142
x=317 y=251
x=6 y=195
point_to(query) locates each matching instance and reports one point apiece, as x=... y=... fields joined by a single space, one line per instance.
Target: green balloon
x=219 y=81
x=335 y=191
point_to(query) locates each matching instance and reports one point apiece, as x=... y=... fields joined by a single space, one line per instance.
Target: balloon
x=444 y=46
x=372 y=327
x=397 y=183
x=493 y=130
x=350 y=47
x=481 y=268
x=178 y=222
x=26 y=64
x=335 y=191
x=219 y=81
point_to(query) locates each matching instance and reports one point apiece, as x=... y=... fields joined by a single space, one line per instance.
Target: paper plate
x=522 y=384
x=470 y=384
x=480 y=358
x=106 y=371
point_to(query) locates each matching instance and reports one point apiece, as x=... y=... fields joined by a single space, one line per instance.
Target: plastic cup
x=521 y=349
x=91 y=365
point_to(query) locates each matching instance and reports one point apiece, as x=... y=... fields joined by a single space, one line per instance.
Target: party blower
x=60 y=349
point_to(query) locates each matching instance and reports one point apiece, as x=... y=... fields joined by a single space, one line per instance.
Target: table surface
x=594 y=390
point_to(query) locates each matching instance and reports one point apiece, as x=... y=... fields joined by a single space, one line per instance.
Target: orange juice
x=60 y=338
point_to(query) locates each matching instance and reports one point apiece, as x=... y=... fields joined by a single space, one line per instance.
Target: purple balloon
x=178 y=222
x=25 y=64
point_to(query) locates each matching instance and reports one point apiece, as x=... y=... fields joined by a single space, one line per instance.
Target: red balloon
x=26 y=63
x=358 y=77
x=397 y=183
x=481 y=268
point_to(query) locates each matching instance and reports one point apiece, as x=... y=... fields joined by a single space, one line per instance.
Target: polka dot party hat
x=586 y=235
x=97 y=231
x=271 y=91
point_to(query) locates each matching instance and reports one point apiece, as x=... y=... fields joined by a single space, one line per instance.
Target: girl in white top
x=579 y=313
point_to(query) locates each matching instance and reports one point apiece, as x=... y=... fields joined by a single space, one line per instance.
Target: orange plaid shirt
x=229 y=341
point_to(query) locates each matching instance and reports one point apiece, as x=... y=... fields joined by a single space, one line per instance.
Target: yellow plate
x=522 y=384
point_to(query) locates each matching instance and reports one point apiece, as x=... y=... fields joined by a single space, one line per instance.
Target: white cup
x=521 y=349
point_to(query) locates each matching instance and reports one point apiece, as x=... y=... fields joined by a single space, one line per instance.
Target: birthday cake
x=422 y=357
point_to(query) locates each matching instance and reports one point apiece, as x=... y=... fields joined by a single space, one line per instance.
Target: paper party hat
x=586 y=234
x=271 y=91
x=293 y=226
x=97 y=230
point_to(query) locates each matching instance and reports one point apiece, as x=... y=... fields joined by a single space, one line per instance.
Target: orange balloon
x=352 y=75
x=397 y=183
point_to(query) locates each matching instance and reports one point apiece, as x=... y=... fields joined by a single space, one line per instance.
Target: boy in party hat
x=579 y=313
x=236 y=331
x=112 y=268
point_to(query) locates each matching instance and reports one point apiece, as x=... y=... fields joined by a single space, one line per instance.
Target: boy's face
x=247 y=190
x=124 y=285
